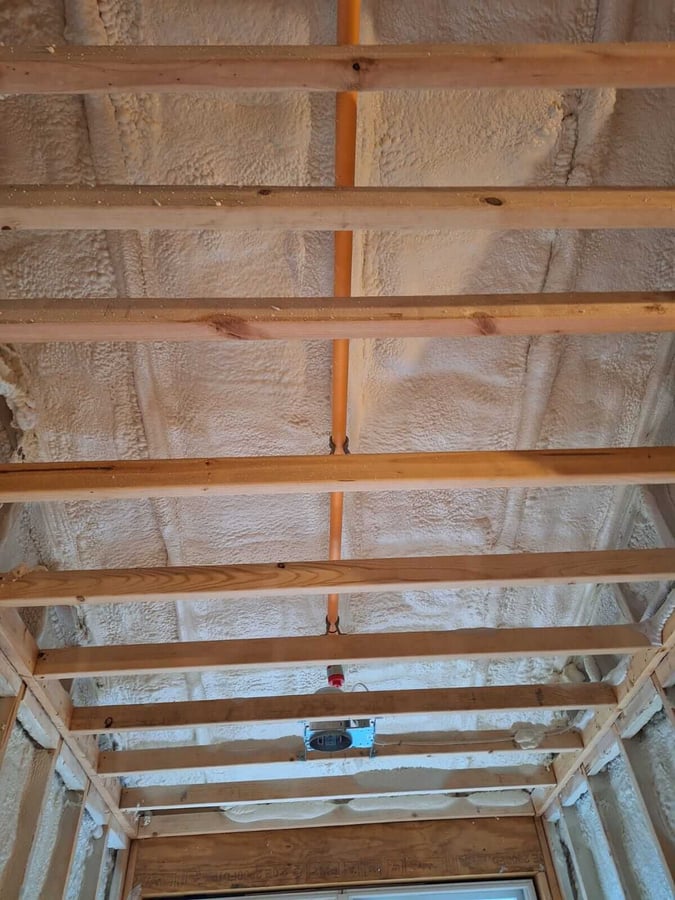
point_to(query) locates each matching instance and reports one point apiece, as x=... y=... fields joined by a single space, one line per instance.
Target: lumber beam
x=604 y=837
x=9 y=710
x=603 y=792
x=357 y=854
x=640 y=670
x=665 y=671
x=322 y=650
x=666 y=702
x=369 y=67
x=296 y=579
x=21 y=652
x=318 y=318
x=10 y=682
x=547 y=882
x=398 y=783
x=581 y=859
x=92 y=884
x=399 y=747
x=127 y=479
x=359 y=705
x=125 y=859
x=131 y=884
x=660 y=834
x=32 y=806
x=165 y=207
x=202 y=822
x=660 y=505
x=662 y=680
x=63 y=853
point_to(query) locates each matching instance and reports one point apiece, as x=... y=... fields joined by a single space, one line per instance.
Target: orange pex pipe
x=348 y=20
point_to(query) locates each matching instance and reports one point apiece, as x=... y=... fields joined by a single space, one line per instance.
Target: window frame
x=519 y=889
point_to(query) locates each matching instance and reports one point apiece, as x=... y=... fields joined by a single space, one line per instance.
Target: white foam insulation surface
x=80 y=402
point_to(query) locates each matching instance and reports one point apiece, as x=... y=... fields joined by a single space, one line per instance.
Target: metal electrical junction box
x=332 y=737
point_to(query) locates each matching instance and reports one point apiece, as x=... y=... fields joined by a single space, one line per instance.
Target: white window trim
x=522 y=889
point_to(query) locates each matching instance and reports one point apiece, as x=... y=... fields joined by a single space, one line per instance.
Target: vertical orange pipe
x=348 y=21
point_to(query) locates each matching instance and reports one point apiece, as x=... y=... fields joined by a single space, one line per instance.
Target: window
x=478 y=890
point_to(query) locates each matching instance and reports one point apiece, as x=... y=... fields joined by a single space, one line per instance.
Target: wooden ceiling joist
x=400 y=783
x=292 y=750
x=113 y=207
x=120 y=479
x=355 y=705
x=368 y=67
x=470 y=643
x=202 y=822
x=297 y=579
x=319 y=318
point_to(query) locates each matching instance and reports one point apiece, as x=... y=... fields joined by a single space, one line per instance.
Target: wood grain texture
x=92 y=884
x=10 y=683
x=21 y=651
x=359 y=854
x=550 y=885
x=323 y=650
x=400 y=783
x=17 y=643
x=130 y=879
x=291 y=750
x=120 y=867
x=63 y=852
x=642 y=667
x=186 y=822
x=646 y=795
x=33 y=802
x=663 y=680
x=113 y=207
x=118 y=479
x=9 y=709
x=369 y=67
x=665 y=671
x=318 y=318
x=666 y=702
x=297 y=579
x=355 y=705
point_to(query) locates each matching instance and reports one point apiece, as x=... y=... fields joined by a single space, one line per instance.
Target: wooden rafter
x=316 y=318
x=581 y=861
x=114 y=207
x=662 y=679
x=641 y=668
x=260 y=653
x=93 y=878
x=400 y=783
x=9 y=709
x=65 y=847
x=660 y=835
x=263 y=754
x=118 y=479
x=357 y=705
x=369 y=67
x=32 y=806
x=20 y=651
x=547 y=883
x=296 y=579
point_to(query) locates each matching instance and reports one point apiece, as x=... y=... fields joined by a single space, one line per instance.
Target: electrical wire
x=550 y=733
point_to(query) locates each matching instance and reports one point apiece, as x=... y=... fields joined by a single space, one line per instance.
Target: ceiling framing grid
x=189 y=810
